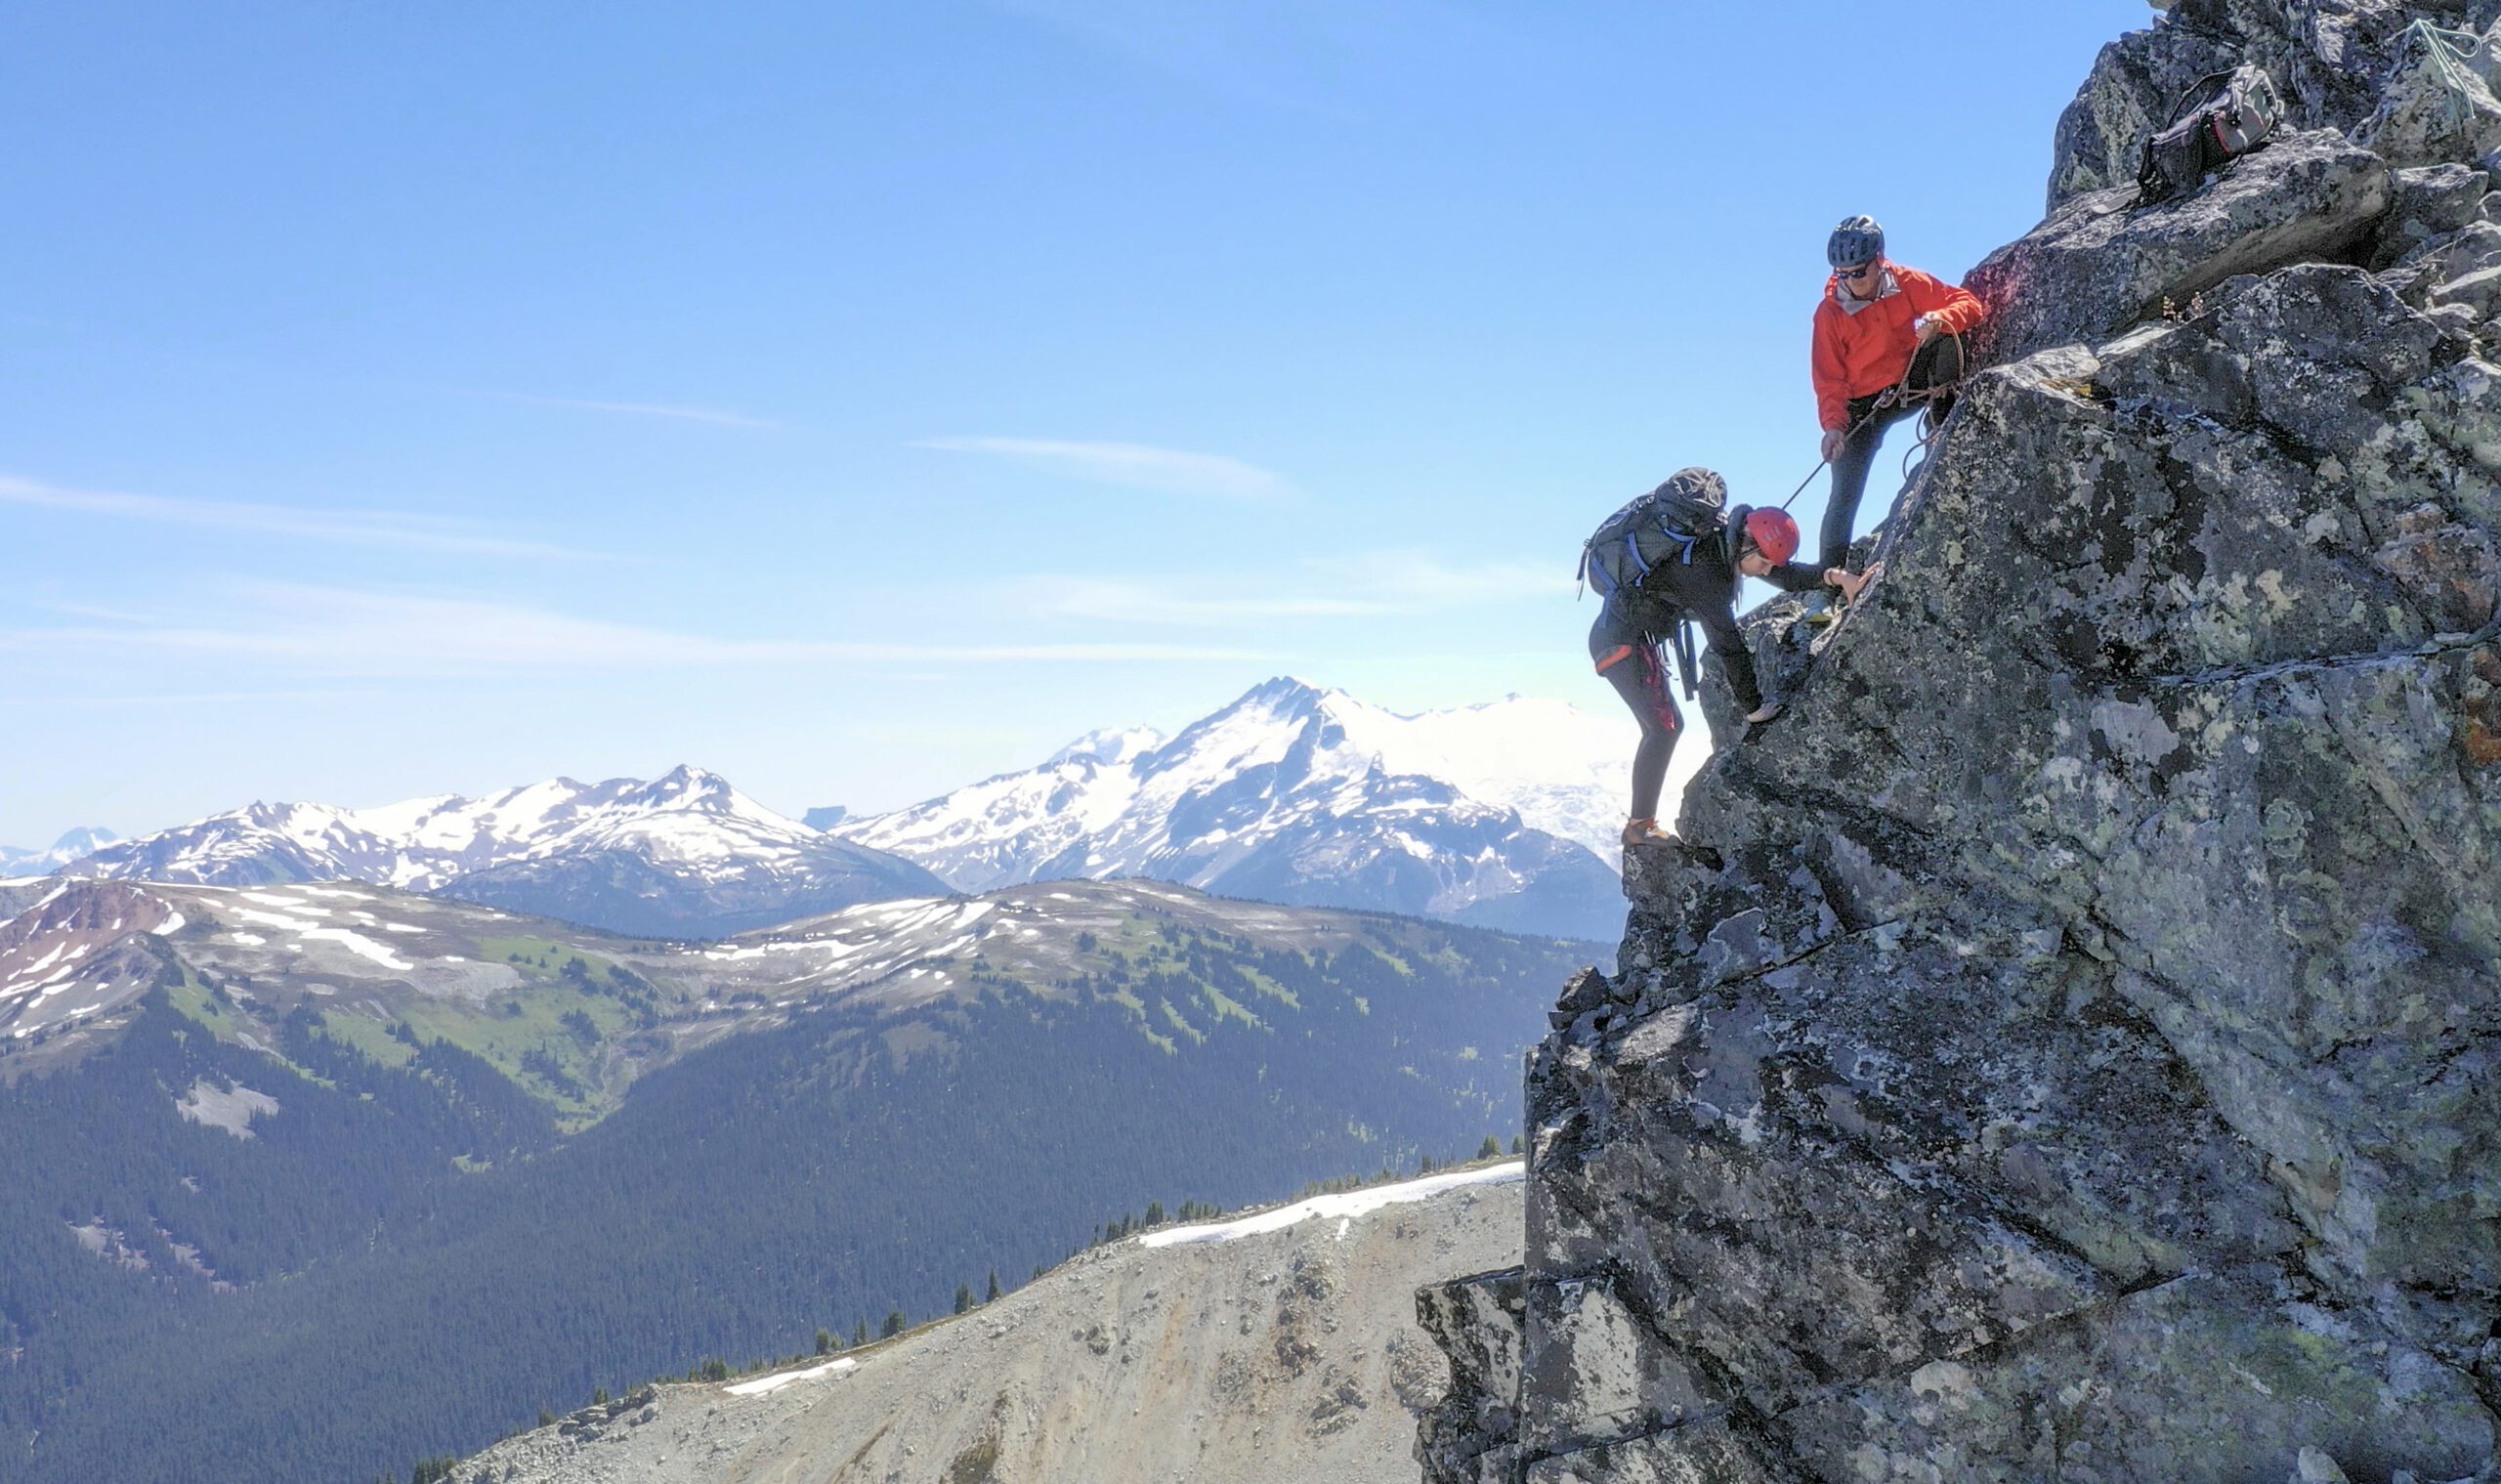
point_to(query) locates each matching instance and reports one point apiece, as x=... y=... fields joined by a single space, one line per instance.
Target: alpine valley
x=403 y=1170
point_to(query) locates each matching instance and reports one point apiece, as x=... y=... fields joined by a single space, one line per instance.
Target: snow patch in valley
x=1343 y=1208
x=360 y=944
x=272 y=919
x=230 y=1109
x=272 y=899
x=249 y=940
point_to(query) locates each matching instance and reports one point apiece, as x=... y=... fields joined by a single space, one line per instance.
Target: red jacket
x=1860 y=355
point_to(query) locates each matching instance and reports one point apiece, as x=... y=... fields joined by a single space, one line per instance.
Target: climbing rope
x=2450 y=54
x=1895 y=395
x=1931 y=427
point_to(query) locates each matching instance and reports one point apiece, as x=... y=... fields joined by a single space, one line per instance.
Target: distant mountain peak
x=686 y=784
x=84 y=840
x=1503 y=813
x=1287 y=690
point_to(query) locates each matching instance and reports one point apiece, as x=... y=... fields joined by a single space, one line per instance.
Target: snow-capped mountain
x=1502 y=814
x=83 y=841
x=682 y=854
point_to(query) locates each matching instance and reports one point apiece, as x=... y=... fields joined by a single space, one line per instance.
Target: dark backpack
x=2222 y=116
x=1663 y=526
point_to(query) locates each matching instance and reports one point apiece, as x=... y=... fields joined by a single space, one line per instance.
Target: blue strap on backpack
x=1665 y=524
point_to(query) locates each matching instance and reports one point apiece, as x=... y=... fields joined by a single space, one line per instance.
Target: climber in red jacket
x=1879 y=322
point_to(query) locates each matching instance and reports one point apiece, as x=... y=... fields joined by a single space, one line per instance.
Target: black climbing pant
x=1940 y=362
x=1638 y=671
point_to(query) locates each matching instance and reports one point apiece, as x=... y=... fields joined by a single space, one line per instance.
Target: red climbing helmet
x=1772 y=532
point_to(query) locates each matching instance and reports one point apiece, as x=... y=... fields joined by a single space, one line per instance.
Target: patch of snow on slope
x=1343 y=1207
x=361 y=946
x=767 y=1385
x=273 y=919
x=1110 y=744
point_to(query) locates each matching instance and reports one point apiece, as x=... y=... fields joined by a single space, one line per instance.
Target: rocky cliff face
x=2063 y=1047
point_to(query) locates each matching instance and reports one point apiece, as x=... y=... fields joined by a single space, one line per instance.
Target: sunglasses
x=1862 y=271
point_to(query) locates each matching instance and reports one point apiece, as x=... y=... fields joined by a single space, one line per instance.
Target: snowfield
x=1481 y=797
x=1343 y=1207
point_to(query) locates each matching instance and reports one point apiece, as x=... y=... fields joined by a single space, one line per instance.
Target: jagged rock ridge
x=683 y=855
x=2063 y=1047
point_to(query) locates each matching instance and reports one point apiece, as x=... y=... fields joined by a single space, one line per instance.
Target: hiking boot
x=1646 y=833
x=1823 y=618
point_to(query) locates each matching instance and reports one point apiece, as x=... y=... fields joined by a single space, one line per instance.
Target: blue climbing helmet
x=1855 y=240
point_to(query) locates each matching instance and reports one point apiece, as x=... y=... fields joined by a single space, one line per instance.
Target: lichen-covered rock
x=2431 y=201
x=1477 y=1322
x=2068 y=1043
x=2102 y=264
x=2327 y=60
x=2435 y=101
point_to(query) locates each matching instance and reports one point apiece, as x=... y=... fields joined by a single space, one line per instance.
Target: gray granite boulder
x=2102 y=264
x=2436 y=103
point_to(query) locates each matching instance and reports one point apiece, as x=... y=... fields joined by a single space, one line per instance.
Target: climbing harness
x=1895 y=396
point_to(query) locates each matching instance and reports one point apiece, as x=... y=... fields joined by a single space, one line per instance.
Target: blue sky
x=859 y=400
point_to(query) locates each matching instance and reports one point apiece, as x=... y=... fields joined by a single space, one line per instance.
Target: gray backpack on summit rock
x=2221 y=117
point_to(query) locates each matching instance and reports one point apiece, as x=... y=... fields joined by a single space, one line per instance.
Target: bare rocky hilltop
x=2063 y=1046
x=1256 y=1350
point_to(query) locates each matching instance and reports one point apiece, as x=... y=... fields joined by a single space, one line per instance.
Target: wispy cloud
x=1133 y=466
x=339 y=632
x=1416 y=578
x=1351 y=585
x=1274 y=54
x=712 y=415
x=1139 y=602
x=400 y=529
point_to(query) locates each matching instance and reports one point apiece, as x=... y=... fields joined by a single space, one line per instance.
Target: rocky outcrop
x=1261 y=1350
x=2331 y=57
x=2064 y=1045
x=2097 y=263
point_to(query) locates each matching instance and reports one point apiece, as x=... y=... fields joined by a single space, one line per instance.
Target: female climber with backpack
x=1885 y=346
x=1674 y=556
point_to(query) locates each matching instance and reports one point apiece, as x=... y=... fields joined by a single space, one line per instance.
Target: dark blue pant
x=1940 y=362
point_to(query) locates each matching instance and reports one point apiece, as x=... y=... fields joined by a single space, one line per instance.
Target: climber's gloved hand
x=1832 y=438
